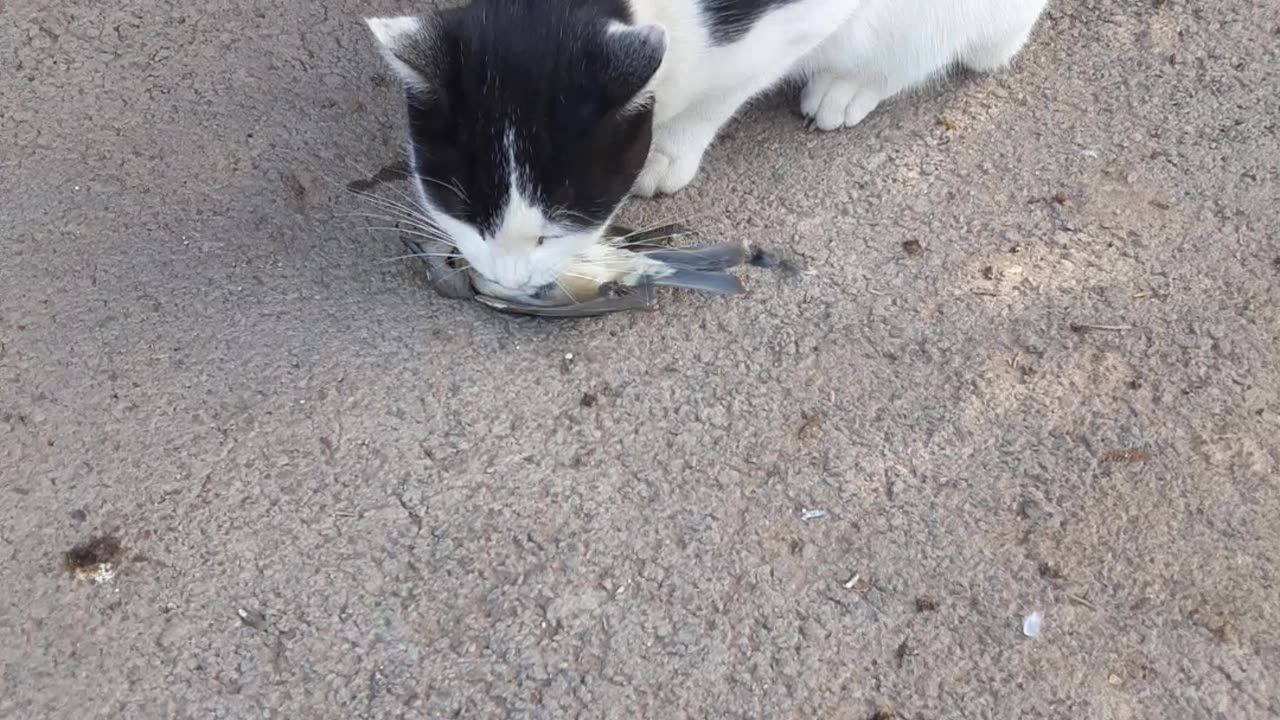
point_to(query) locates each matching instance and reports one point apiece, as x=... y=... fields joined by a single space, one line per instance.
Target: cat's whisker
x=385 y=203
x=561 y=210
x=443 y=240
x=393 y=215
x=565 y=290
x=398 y=258
x=579 y=277
x=646 y=241
x=606 y=263
x=464 y=268
x=452 y=186
x=621 y=241
x=393 y=206
x=394 y=219
x=409 y=205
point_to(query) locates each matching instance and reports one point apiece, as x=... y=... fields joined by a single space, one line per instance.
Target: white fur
x=853 y=54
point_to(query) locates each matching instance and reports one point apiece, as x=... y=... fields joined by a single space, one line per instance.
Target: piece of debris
x=1047 y=570
x=1031 y=624
x=912 y=248
x=812 y=514
x=924 y=603
x=1060 y=198
x=884 y=714
x=762 y=258
x=1222 y=631
x=947 y=124
x=1086 y=327
x=903 y=652
x=1126 y=455
x=1115 y=680
x=96 y=560
x=810 y=426
x=858 y=584
x=253 y=618
x=589 y=400
x=1082 y=602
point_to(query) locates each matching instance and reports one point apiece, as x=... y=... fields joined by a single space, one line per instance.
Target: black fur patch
x=729 y=20
x=549 y=74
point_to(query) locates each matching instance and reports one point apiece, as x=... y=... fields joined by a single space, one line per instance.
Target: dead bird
x=618 y=274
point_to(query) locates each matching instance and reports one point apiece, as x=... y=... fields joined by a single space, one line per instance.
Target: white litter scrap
x=99 y=574
x=1031 y=624
x=812 y=514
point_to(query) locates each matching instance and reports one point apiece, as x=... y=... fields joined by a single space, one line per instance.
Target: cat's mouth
x=547 y=294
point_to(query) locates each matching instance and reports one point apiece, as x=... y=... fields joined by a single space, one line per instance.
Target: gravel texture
x=1022 y=346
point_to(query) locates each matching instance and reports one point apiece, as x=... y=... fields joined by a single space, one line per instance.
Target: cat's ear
x=412 y=47
x=635 y=52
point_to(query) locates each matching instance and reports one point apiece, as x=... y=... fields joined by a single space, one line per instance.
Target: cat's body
x=532 y=120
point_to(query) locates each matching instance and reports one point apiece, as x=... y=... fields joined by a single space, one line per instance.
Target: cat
x=530 y=122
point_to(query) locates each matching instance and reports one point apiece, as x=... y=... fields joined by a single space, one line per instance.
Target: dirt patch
x=96 y=560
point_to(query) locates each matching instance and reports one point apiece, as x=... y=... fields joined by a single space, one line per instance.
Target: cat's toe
x=811 y=96
x=832 y=103
x=665 y=174
x=680 y=172
x=655 y=169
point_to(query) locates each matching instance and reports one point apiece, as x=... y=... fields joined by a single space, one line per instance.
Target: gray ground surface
x=203 y=352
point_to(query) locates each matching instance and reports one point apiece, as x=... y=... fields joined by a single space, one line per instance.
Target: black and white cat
x=531 y=121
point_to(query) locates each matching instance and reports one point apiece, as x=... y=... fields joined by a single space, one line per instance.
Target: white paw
x=666 y=172
x=831 y=102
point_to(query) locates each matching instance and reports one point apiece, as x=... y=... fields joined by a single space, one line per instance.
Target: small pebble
x=253 y=618
x=1031 y=624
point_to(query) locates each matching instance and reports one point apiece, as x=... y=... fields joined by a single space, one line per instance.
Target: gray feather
x=712 y=257
x=713 y=282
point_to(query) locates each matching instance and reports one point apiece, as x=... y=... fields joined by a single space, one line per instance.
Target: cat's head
x=528 y=124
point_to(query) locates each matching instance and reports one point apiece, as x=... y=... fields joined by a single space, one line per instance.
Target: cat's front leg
x=680 y=142
x=676 y=154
